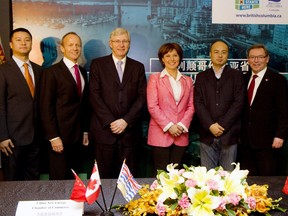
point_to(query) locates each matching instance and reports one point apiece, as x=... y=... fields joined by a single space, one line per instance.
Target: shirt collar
x=261 y=73
x=68 y=63
x=220 y=72
x=20 y=62
x=116 y=60
x=165 y=73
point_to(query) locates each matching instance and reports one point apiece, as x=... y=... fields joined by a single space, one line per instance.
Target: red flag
x=285 y=188
x=79 y=190
x=93 y=188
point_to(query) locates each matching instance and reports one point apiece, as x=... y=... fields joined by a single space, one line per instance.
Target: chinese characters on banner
x=192 y=67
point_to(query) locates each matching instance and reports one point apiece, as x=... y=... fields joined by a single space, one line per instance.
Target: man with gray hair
x=117 y=96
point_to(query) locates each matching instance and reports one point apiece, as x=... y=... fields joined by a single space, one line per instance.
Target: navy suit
x=265 y=119
x=19 y=119
x=64 y=114
x=111 y=100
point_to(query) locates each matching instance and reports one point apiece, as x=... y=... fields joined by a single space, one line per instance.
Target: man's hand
x=118 y=126
x=85 y=139
x=175 y=130
x=57 y=145
x=216 y=129
x=277 y=142
x=6 y=147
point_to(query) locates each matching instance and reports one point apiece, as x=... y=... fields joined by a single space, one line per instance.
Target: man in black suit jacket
x=65 y=110
x=19 y=122
x=218 y=101
x=265 y=120
x=116 y=106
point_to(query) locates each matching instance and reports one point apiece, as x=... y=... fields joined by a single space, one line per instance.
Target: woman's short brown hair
x=165 y=48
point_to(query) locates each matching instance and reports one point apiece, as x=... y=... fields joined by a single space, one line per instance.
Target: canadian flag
x=93 y=188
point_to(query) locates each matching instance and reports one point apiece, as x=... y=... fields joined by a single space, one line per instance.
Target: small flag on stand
x=79 y=190
x=285 y=188
x=127 y=184
x=2 y=55
x=93 y=188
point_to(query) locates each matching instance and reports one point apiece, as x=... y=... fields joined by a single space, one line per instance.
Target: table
x=12 y=192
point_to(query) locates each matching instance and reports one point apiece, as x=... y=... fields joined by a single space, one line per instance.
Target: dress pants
x=23 y=164
x=60 y=164
x=110 y=158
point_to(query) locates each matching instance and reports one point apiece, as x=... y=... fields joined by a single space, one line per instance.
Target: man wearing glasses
x=117 y=97
x=265 y=123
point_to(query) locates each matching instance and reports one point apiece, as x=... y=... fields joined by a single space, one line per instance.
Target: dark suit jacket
x=219 y=101
x=18 y=110
x=267 y=116
x=111 y=100
x=63 y=112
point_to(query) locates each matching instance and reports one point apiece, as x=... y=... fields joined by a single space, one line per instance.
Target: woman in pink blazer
x=170 y=104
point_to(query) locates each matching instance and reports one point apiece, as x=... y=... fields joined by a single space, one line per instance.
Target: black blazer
x=19 y=117
x=268 y=115
x=219 y=101
x=111 y=100
x=63 y=112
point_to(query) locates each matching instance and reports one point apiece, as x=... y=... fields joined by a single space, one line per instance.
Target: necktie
x=78 y=80
x=28 y=79
x=119 y=70
x=251 y=89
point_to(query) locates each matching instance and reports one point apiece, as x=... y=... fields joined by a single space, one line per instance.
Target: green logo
x=246 y=4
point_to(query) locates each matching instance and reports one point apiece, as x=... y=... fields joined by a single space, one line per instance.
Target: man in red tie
x=64 y=109
x=265 y=118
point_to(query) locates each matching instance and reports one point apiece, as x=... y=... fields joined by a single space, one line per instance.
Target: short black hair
x=19 y=30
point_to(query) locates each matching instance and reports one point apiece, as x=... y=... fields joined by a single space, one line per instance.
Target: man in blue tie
x=117 y=96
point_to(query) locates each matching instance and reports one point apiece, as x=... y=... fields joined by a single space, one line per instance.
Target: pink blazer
x=163 y=109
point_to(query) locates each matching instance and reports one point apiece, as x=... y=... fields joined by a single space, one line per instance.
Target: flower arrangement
x=198 y=191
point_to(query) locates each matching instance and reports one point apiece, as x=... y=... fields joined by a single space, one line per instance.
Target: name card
x=49 y=208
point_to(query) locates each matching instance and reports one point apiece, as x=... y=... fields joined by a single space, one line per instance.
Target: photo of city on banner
x=150 y=23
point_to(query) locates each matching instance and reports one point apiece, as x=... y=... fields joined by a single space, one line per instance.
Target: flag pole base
x=107 y=213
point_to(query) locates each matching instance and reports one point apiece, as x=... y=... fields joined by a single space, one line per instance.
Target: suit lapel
x=167 y=84
x=183 y=87
x=111 y=69
x=262 y=86
x=128 y=70
x=22 y=81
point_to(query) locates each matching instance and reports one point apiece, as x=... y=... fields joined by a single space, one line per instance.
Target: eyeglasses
x=120 y=42
x=257 y=57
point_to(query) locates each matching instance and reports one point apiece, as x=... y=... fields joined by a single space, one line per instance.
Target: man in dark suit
x=19 y=121
x=65 y=110
x=218 y=101
x=265 y=120
x=116 y=106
